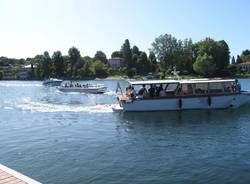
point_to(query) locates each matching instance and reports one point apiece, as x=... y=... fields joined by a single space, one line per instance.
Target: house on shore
x=244 y=67
x=15 y=72
x=116 y=63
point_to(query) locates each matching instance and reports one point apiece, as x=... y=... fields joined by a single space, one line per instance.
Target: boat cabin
x=181 y=88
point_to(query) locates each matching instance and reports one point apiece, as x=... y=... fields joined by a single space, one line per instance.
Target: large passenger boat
x=163 y=95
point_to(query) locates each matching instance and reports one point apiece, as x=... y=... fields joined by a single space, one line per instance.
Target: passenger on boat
x=142 y=92
x=151 y=91
x=162 y=92
x=132 y=93
x=128 y=90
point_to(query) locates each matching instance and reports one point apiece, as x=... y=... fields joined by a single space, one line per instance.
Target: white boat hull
x=185 y=103
x=82 y=90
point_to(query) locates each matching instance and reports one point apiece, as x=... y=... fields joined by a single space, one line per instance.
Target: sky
x=30 y=27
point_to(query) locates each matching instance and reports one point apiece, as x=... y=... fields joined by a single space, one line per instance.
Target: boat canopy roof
x=190 y=81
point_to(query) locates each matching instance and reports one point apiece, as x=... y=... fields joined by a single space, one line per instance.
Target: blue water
x=76 y=138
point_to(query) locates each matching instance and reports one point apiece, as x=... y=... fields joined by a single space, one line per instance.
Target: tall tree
x=205 y=65
x=233 y=60
x=153 y=61
x=173 y=53
x=245 y=55
x=219 y=51
x=99 y=55
x=135 y=50
x=74 y=57
x=238 y=60
x=127 y=54
x=58 y=64
x=46 y=65
x=116 y=54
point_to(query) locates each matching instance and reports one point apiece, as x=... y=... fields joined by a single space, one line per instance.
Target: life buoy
x=209 y=101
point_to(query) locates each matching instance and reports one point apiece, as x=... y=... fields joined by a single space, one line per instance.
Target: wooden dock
x=9 y=176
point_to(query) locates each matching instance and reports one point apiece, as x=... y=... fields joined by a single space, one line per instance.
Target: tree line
x=206 y=58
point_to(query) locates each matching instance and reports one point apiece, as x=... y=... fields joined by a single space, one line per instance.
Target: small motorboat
x=82 y=88
x=52 y=82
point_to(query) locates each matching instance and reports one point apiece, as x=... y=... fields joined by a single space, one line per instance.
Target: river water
x=62 y=138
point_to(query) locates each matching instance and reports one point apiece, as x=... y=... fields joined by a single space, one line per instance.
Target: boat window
x=171 y=87
x=201 y=88
x=186 y=89
x=228 y=87
x=215 y=87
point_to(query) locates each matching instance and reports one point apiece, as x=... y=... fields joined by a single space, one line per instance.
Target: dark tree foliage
x=205 y=65
x=238 y=60
x=245 y=55
x=233 y=60
x=174 y=53
x=116 y=54
x=74 y=58
x=127 y=54
x=46 y=65
x=58 y=64
x=219 y=51
x=135 y=50
x=99 y=55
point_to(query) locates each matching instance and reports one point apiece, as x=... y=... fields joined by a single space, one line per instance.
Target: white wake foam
x=19 y=85
x=26 y=104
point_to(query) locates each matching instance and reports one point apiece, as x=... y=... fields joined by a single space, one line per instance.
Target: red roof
x=245 y=63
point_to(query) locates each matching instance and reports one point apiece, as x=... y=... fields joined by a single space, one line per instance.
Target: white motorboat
x=167 y=95
x=82 y=88
x=52 y=82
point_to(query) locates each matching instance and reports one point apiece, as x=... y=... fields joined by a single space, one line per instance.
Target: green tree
x=127 y=54
x=100 y=69
x=15 y=72
x=58 y=64
x=232 y=69
x=174 y=53
x=74 y=58
x=205 y=65
x=99 y=55
x=219 y=51
x=238 y=60
x=135 y=50
x=233 y=60
x=153 y=61
x=116 y=54
x=1 y=74
x=46 y=65
x=245 y=55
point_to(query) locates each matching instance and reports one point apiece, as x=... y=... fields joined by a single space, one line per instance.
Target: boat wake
x=25 y=104
x=19 y=85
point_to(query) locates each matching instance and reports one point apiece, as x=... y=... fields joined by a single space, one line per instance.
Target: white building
x=245 y=67
x=116 y=63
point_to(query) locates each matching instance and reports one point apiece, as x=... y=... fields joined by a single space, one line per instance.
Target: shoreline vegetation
x=167 y=57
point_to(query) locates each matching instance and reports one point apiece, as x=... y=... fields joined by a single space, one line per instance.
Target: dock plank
x=10 y=176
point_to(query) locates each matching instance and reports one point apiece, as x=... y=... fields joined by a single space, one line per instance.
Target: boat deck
x=9 y=176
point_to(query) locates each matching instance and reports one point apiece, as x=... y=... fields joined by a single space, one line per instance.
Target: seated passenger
x=159 y=89
x=132 y=93
x=162 y=92
x=151 y=91
x=128 y=90
x=142 y=92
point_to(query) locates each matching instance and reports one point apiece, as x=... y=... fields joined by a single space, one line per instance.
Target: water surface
x=77 y=138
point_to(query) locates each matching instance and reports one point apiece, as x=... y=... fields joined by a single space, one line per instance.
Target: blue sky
x=29 y=27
